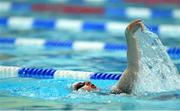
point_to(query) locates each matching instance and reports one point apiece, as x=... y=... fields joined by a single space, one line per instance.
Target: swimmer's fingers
x=142 y=26
x=134 y=26
x=137 y=26
x=131 y=25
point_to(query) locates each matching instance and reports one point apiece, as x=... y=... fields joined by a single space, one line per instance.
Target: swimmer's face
x=87 y=86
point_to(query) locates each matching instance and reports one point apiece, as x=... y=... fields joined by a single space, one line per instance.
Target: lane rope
x=174 y=52
x=27 y=23
x=129 y=12
x=42 y=73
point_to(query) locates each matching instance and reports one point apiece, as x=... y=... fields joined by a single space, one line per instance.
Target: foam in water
x=157 y=71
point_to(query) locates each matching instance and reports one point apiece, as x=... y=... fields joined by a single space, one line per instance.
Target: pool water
x=28 y=93
x=56 y=94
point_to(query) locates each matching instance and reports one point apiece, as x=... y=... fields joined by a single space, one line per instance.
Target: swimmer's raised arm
x=125 y=84
x=133 y=51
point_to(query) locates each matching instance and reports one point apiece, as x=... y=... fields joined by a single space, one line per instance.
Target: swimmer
x=129 y=76
x=87 y=86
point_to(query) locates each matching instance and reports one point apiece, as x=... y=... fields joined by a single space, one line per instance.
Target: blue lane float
x=76 y=45
x=41 y=73
x=118 y=28
x=129 y=12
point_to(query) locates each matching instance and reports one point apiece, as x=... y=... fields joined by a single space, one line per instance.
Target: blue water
x=56 y=94
x=26 y=93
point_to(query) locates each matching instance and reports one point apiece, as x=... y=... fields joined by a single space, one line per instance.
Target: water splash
x=157 y=71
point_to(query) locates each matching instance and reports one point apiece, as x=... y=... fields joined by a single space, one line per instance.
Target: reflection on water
x=23 y=103
x=102 y=103
x=6 y=56
x=56 y=94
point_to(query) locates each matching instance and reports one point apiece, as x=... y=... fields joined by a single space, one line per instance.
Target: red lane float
x=68 y=9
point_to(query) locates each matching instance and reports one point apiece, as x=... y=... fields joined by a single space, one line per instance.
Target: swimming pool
x=28 y=93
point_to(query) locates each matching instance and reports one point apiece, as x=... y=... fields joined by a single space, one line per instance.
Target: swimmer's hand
x=133 y=27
